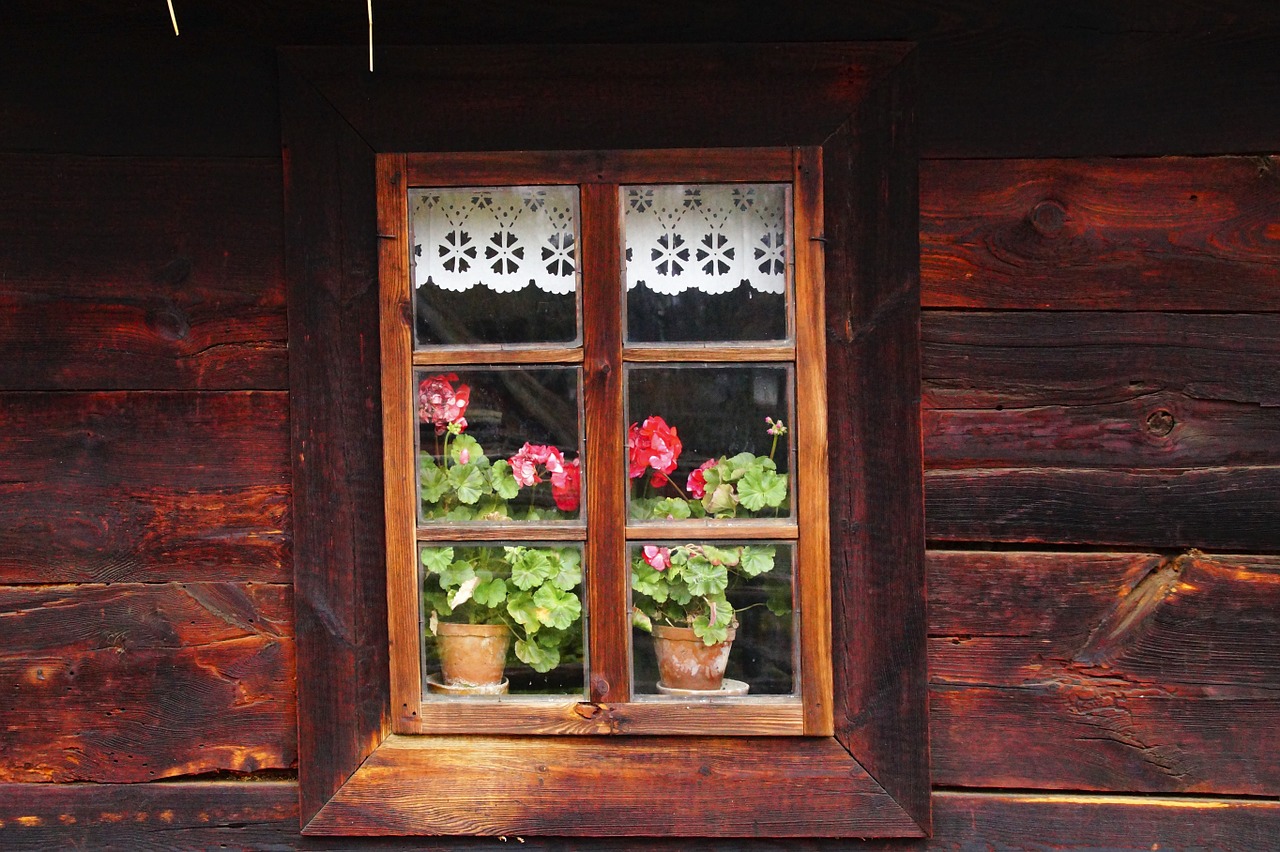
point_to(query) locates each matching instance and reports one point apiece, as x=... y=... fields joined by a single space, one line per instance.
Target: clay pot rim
x=686 y=634
x=449 y=628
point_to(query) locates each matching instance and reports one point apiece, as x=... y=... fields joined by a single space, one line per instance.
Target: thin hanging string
x=370 y=5
x=174 y=18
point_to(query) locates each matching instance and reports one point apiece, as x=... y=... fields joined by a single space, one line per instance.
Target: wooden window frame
x=850 y=108
x=603 y=357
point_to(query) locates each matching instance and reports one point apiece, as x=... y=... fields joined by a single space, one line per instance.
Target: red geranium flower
x=697 y=483
x=440 y=404
x=653 y=444
x=566 y=486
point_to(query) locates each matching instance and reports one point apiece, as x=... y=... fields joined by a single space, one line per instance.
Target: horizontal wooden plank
x=262 y=815
x=258 y=815
x=1233 y=508
x=133 y=682
x=144 y=486
x=1024 y=358
x=573 y=167
x=1131 y=234
x=1157 y=429
x=640 y=786
x=130 y=273
x=752 y=717
x=1097 y=671
x=98 y=88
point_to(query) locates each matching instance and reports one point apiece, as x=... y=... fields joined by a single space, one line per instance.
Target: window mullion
x=609 y=621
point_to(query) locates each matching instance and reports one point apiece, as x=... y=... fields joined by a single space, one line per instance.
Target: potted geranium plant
x=680 y=593
x=477 y=599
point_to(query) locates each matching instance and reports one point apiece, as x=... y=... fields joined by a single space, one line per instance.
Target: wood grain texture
x=131 y=682
x=1233 y=508
x=1134 y=234
x=1025 y=358
x=1117 y=672
x=130 y=273
x=331 y=257
x=130 y=486
x=675 y=98
x=262 y=815
x=576 y=167
x=642 y=786
x=875 y=461
x=725 y=717
x=607 y=568
x=258 y=815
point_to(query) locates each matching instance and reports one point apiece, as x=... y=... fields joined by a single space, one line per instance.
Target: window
x=600 y=751
x=605 y=440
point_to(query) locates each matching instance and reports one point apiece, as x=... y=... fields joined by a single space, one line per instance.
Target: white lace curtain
x=714 y=238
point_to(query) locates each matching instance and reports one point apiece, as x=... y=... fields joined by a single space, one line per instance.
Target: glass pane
x=502 y=619
x=709 y=441
x=713 y=619
x=495 y=265
x=499 y=444
x=707 y=262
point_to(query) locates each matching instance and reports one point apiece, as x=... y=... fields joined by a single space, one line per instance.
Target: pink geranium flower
x=440 y=404
x=659 y=558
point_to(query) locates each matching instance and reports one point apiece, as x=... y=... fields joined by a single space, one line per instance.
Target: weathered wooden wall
x=1101 y=409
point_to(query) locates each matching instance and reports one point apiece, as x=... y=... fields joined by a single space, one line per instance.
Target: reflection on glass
x=502 y=618
x=709 y=442
x=720 y=618
x=499 y=444
x=706 y=262
x=495 y=264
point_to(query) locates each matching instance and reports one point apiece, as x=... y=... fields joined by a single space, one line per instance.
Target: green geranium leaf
x=436 y=601
x=530 y=567
x=649 y=582
x=556 y=608
x=468 y=482
x=712 y=632
x=491 y=508
x=721 y=502
x=779 y=600
x=460 y=513
x=757 y=560
x=456 y=573
x=491 y=592
x=721 y=556
x=761 y=488
x=436 y=559
x=537 y=656
x=566 y=568
x=671 y=508
x=432 y=480
x=524 y=611
x=740 y=465
x=705 y=579
x=475 y=454
x=503 y=483
x=641 y=621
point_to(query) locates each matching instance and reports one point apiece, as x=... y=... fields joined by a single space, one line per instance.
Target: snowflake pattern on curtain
x=503 y=238
x=711 y=237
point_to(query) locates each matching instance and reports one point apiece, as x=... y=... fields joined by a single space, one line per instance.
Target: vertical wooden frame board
x=846 y=111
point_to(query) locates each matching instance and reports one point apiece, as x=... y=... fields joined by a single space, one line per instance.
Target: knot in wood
x=1160 y=422
x=1048 y=218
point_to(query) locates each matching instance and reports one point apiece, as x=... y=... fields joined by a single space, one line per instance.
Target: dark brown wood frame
x=854 y=103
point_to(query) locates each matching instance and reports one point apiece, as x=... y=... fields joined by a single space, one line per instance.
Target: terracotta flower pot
x=472 y=654
x=686 y=662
